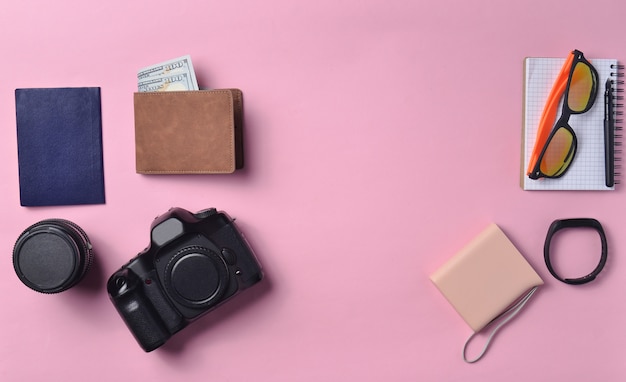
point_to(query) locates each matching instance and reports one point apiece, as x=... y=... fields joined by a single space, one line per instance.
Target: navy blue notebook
x=59 y=142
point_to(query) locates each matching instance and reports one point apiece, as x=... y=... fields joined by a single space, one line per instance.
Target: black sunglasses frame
x=566 y=113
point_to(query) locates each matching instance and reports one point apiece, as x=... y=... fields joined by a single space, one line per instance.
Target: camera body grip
x=135 y=302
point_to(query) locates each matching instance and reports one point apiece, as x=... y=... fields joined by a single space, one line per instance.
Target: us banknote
x=175 y=82
x=165 y=73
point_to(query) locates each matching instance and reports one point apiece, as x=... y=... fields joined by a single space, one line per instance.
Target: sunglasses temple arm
x=549 y=113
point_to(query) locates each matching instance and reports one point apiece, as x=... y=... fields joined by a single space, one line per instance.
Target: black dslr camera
x=194 y=262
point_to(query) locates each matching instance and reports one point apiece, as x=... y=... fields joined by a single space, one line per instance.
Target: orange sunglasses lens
x=581 y=88
x=559 y=153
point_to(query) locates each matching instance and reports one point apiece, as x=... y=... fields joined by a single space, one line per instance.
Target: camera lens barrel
x=52 y=255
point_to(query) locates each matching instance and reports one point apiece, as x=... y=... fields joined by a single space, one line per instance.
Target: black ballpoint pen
x=609 y=135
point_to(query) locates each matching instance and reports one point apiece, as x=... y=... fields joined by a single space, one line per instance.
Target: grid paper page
x=587 y=169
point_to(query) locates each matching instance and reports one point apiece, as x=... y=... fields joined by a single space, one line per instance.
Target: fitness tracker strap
x=558 y=225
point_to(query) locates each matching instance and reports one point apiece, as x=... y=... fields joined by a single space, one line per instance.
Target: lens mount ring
x=196 y=277
x=558 y=225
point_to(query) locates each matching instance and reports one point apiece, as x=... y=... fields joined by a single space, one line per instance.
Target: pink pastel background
x=381 y=136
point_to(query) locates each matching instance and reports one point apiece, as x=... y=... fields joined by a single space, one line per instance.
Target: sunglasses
x=554 y=149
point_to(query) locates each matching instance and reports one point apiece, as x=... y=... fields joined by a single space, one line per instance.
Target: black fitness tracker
x=575 y=223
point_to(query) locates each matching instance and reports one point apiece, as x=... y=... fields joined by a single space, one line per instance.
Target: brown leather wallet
x=189 y=132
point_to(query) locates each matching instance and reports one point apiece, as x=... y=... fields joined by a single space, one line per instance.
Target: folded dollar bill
x=172 y=75
x=176 y=82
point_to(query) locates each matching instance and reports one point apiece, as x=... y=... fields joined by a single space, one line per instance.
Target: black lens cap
x=52 y=255
x=196 y=277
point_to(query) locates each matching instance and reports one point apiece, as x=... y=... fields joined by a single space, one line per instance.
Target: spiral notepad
x=588 y=169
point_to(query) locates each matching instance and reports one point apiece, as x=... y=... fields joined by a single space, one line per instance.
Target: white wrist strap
x=508 y=315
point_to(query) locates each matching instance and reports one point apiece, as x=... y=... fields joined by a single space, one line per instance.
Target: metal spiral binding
x=618 y=103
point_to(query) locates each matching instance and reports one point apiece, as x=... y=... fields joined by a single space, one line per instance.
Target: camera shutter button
x=229 y=256
x=120 y=282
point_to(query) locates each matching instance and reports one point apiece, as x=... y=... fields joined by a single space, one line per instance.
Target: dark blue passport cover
x=59 y=142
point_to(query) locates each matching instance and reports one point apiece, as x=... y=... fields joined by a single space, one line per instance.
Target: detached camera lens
x=52 y=255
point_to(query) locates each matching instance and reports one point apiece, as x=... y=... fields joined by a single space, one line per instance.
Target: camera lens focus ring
x=196 y=277
x=52 y=255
